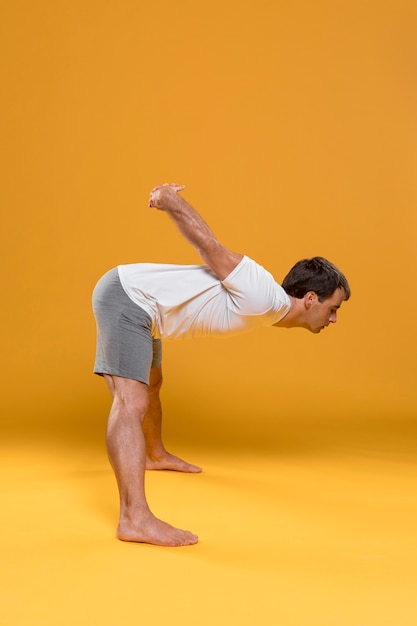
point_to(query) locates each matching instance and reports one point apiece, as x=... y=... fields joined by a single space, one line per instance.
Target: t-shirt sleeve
x=252 y=290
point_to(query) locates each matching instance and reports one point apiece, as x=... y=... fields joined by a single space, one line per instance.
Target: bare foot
x=155 y=531
x=167 y=461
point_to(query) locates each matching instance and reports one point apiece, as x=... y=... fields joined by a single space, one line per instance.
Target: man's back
x=190 y=301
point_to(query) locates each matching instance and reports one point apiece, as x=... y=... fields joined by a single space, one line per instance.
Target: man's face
x=321 y=314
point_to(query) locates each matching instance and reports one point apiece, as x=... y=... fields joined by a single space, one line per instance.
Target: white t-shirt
x=190 y=301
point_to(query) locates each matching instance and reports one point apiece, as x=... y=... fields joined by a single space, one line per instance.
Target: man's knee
x=132 y=396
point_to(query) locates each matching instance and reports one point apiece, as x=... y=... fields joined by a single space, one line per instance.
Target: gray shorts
x=125 y=346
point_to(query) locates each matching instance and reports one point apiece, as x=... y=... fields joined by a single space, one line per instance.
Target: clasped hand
x=161 y=195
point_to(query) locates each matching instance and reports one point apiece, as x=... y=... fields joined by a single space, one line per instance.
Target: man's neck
x=295 y=316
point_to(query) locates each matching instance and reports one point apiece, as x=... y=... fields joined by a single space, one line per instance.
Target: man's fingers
x=174 y=186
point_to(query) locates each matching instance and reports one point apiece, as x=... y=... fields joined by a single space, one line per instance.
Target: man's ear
x=310 y=298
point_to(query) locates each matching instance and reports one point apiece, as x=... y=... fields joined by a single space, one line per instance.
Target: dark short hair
x=316 y=274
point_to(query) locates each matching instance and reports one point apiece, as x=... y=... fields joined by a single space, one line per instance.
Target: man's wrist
x=174 y=203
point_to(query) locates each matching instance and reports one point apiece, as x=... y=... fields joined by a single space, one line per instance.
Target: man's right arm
x=219 y=258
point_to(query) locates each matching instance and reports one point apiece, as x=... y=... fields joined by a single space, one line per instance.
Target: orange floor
x=312 y=535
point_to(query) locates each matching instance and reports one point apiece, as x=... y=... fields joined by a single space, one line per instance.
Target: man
x=138 y=305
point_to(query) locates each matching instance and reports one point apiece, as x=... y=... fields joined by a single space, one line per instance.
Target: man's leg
x=127 y=453
x=157 y=458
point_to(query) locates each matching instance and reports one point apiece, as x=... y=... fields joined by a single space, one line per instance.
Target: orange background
x=293 y=129
x=293 y=126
